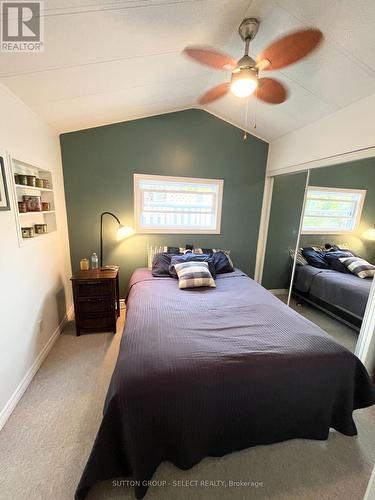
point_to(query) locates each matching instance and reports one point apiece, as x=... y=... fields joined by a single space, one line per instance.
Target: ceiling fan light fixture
x=244 y=82
x=281 y=53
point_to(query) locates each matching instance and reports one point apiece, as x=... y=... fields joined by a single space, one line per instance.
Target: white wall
x=34 y=287
x=349 y=129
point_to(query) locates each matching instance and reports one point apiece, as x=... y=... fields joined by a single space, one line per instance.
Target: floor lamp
x=122 y=232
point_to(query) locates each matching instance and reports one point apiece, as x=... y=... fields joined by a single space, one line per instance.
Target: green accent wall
x=287 y=201
x=99 y=164
x=353 y=175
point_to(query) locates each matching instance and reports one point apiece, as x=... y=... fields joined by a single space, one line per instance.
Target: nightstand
x=96 y=300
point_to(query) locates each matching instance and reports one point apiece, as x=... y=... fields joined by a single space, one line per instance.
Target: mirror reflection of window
x=332 y=210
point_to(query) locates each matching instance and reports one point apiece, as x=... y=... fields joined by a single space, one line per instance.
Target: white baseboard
x=279 y=291
x=25 y=382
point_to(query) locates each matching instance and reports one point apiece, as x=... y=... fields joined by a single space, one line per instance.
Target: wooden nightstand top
x=95 y=274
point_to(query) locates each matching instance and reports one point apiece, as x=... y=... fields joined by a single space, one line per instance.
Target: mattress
x=204 y=372
x=342 y=290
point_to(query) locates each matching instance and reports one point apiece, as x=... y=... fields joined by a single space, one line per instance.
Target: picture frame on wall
x=4 y=197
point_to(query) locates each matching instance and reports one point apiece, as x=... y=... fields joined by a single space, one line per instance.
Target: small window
x=177 y=204
x=332 y=210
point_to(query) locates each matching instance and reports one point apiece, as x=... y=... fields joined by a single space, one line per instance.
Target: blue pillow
x=222 y=263
x=332 y=258
x=192 y=257
x=160 y=264
x=315 y=258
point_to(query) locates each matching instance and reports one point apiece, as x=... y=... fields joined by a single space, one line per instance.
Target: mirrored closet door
x=331 y=279
x=285 y=215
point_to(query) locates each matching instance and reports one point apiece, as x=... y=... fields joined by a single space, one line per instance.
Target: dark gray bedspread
x=204 y=372
x=343 y=290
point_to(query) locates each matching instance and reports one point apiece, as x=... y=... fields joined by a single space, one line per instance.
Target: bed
x=205 y=372
x=342 y=295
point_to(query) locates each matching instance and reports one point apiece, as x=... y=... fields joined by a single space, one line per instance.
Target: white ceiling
x=112 y=60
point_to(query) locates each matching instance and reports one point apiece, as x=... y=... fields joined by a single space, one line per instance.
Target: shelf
x=26 y=219
x=23 y=214
x=27 y=241
x=34 y=188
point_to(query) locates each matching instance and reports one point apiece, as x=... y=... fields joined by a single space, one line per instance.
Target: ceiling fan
x=245 y=78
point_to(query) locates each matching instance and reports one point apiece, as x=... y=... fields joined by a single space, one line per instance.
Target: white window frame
x=358 y=211
x=137 y=204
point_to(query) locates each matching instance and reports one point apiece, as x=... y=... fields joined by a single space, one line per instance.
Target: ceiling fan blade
x=211 y=57
x=290 y=48
x=271 y=91
x=214 y=93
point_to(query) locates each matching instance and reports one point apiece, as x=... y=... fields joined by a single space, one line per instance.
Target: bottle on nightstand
x=94 y=261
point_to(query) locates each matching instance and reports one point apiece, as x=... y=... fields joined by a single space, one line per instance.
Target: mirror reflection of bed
x=326 y=216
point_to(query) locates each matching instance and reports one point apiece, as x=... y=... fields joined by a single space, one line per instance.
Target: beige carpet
x=45 y=444
x=343 y=334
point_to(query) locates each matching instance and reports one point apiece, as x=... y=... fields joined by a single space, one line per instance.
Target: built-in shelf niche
x=29 y=219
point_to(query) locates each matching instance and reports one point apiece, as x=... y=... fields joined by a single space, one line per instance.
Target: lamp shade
x=244 y=82
x=369 y=234
x=124 y=232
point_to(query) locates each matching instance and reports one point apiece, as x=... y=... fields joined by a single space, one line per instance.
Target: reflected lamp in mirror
x=369 y=234
x=122 y=232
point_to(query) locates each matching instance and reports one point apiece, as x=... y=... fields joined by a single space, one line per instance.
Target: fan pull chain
x=255 y=109
x=246 y=119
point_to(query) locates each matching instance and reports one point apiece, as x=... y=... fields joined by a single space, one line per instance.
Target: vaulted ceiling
x=112 y=60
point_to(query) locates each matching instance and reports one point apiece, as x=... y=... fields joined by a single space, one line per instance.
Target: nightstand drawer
x=93 y=288
x=97 y=321
x=95 y=304
x=96 y=300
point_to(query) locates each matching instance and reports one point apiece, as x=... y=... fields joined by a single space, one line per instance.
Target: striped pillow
x=194 y=275
x=359 y=267
x=300 y=261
